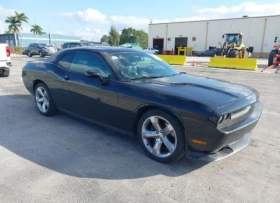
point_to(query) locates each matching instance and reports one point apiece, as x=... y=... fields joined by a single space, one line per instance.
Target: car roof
x=106 y=49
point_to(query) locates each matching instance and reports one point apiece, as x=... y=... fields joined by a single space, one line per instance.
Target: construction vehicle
x=234 y=54
x=233 y=47
x=274 y=56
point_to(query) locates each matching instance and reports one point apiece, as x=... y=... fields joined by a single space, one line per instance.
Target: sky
x=91 y=19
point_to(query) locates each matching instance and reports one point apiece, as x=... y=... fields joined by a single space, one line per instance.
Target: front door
x=89 y=97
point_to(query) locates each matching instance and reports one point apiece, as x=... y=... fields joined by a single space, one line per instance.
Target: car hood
x=210 y=92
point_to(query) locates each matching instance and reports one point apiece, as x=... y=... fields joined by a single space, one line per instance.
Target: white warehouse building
x=259 y=33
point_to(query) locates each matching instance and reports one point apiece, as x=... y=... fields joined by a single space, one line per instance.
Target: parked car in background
x=173 y=114
x=40 y=49
x=210 y=53
x=75 y=44
x=151 y=51
x=5 y=60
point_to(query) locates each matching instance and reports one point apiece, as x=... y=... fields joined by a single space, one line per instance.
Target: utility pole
x=50 y=42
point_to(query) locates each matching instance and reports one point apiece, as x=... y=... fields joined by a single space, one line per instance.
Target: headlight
x=224 y=120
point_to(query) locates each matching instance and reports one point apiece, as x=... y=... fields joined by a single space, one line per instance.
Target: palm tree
x=37 y=30
x=14 y=24
x=22 y=18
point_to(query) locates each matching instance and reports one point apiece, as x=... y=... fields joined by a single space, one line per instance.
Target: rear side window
x=83 y=62
x=65 y=45
x=65 y=61
x=74 y=45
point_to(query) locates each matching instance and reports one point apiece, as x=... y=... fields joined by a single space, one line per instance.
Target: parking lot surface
x=63 y=159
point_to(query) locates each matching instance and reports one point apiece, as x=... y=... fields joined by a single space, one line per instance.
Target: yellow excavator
x=234 y=47
x=234 y=54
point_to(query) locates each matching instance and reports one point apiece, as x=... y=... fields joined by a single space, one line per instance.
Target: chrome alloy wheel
x=42 y=99
x=159 y=136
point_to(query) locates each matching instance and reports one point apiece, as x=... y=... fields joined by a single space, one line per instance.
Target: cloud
x=89 y=34
x=6 y=12
x=246 y=8
x=89 y=15
x=130 y=21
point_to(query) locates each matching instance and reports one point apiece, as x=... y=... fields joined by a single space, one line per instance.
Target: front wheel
x=29 y=54
x=41 y=54
x=162 y=136
x=44 y=101
x=271 y=57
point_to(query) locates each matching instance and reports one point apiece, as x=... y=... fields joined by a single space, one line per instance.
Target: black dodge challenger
x=173 y=114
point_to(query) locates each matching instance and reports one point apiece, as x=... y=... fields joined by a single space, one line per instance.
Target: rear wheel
x=41 y=54
x=271 y=56
x=5 y=73
x=44 y=101
x=162 y=136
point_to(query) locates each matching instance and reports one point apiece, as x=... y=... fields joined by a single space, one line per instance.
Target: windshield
x=42 y=45
x=232 y=38
x=139 y=65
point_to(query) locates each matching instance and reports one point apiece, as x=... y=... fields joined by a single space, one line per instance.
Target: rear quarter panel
x=44 y=72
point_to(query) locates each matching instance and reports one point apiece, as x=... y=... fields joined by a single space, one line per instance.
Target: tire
x=233 y=53
x=6 y=73
x=29 y=54
x=164 y=147
x=271 y=56
x=43 y=100
x=41 y=54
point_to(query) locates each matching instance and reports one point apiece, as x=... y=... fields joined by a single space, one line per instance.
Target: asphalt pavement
x=63 y=159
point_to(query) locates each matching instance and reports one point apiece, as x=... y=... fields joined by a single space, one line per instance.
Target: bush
x=17 y=50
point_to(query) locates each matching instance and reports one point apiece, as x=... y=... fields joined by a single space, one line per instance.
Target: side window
x=83 y=62
x=74 y=45
x=66 y=60
x=65 y=45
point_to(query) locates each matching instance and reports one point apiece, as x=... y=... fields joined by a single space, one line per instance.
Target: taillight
x=8 y=51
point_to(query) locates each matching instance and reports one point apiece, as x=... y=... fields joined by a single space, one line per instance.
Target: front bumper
x=222 y=143
x=47 y=53
x=224 y=152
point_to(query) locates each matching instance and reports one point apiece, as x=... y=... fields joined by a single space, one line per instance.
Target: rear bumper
x=5 y=64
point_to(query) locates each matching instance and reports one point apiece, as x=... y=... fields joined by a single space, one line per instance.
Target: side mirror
x=275 y=40
x=95 y=74
x=223 y=36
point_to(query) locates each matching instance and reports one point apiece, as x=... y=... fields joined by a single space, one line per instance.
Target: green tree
x=114 y=37
x=14 y=24
x=22 y=18
x=130 y=35
x=105 y=38
x=142 y=38
x=37 y=30
x=8 y=32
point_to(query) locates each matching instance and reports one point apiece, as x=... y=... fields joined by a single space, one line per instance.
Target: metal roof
x=222 y=19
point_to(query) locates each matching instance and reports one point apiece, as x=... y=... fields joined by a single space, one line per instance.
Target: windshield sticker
x=114 y=58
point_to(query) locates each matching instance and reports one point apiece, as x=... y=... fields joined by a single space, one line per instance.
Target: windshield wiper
x=148 y=77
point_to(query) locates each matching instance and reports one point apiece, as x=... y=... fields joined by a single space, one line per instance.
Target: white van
x=5 y=60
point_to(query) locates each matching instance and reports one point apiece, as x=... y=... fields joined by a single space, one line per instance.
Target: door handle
x=66 y=77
